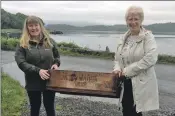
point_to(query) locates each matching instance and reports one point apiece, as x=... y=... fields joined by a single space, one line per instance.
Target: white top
x=127 y=45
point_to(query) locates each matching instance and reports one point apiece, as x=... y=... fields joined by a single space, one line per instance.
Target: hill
x=15 y=21
x=12 y=21
x=157 y=28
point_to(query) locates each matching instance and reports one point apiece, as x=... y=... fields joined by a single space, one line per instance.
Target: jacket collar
x=33 y=42
x=143 y=32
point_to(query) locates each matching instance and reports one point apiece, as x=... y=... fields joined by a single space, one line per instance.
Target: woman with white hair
x=135 y=58
x=36 y=54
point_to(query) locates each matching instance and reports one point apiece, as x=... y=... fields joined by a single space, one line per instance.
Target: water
x=99 y=41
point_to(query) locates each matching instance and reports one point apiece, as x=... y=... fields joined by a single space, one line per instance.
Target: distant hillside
x=164 y=27
x=12 y=21
x=15 y=21
x=65 y=28
x=161 y=27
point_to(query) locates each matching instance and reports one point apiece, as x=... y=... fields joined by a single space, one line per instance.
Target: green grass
x=12 y=96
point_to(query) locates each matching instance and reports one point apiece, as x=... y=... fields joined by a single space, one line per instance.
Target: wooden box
x=83 y=83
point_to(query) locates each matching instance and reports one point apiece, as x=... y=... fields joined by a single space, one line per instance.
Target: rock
x=56 y=32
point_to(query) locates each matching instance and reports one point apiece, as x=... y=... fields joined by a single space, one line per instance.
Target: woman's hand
x=44 y=74
x=54 y=66
x=117 y=73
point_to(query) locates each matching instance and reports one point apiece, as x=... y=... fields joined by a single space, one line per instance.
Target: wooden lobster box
x=83 y=83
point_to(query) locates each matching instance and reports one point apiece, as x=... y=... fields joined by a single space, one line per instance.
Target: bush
x=166 y=59
x=69 y=45
x=9 y=44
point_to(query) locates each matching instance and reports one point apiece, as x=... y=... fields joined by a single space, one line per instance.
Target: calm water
x=99 y=41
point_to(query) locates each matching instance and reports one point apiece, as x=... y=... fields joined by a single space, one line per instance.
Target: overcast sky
x=81 y=13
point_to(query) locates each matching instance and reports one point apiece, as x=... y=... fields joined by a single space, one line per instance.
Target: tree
x=12 y=21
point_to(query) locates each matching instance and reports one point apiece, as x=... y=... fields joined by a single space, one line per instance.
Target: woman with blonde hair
x=135 y=58
x=36 y=54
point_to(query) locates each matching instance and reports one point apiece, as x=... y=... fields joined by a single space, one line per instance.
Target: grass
x=12 y=96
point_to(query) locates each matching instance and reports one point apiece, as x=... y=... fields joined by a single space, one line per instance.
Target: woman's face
x=34 y=29
x=133 y=22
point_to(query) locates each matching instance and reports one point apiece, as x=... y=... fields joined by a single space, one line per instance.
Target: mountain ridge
x=15 y=21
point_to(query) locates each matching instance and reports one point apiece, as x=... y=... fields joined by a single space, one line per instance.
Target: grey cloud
x=164 y=7
x=91 y=12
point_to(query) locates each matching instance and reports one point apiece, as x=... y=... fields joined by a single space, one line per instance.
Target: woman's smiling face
x=134 y=22
x=34 y=29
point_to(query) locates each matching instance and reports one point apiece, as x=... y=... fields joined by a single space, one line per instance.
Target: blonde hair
x=24 y=41
x=137 y=10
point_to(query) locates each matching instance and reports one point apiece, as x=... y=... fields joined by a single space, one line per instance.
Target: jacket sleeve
x=22 y=63
x=149 y=60
x=116 y=59
x=56 y=54
x=116 y=63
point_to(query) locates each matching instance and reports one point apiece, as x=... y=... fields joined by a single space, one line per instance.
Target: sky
x=82 y=13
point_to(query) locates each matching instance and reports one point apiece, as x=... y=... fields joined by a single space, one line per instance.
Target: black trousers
x=35 y=102
x=127 y=102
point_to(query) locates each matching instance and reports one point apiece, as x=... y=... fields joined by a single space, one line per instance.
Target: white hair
x=137 y=10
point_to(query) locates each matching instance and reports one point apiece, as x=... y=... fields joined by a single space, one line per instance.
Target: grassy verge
x=12 y=95
x=71 y=49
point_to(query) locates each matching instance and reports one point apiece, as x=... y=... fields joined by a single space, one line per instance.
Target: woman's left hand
x=54 y=66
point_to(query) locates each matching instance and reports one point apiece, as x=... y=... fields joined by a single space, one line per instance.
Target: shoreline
x=162 y=58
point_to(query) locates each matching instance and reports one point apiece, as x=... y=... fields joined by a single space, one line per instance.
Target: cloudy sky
x=81 y=13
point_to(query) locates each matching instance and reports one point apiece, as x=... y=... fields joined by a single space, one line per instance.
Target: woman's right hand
x=44 y=74
x=117 y=73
